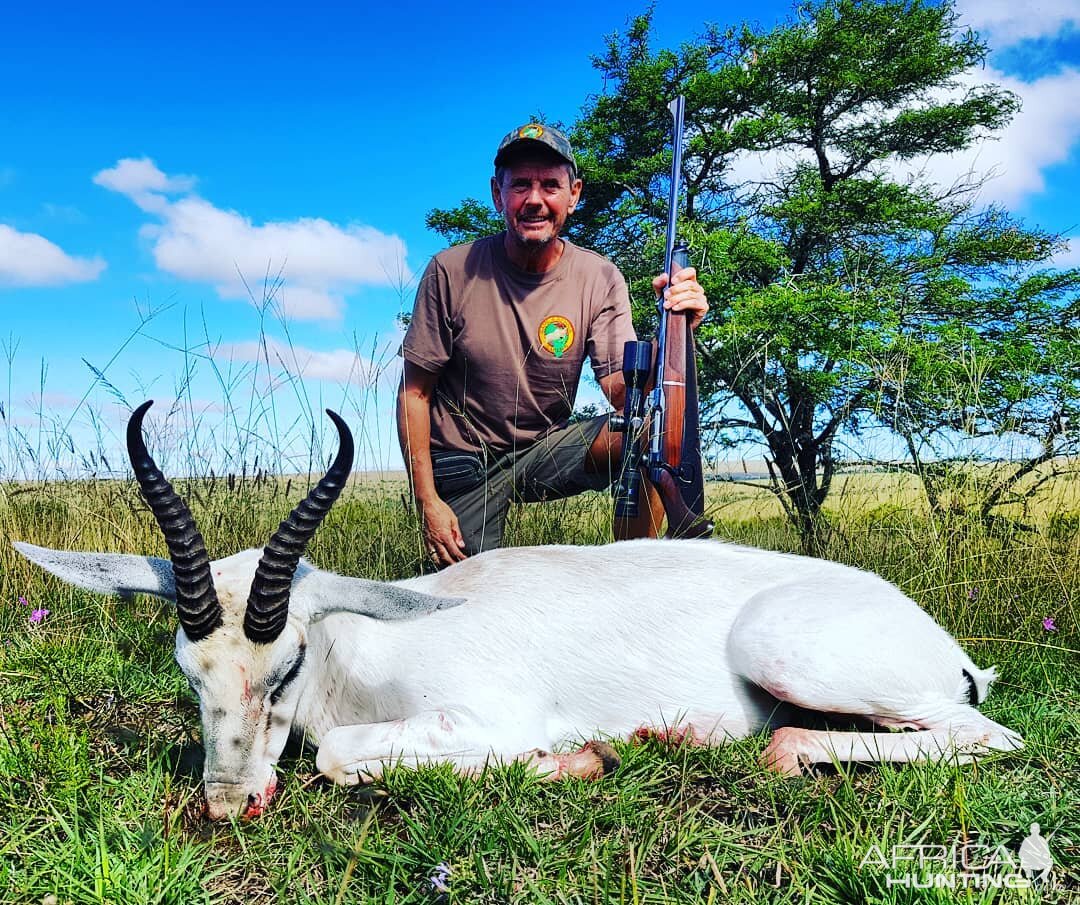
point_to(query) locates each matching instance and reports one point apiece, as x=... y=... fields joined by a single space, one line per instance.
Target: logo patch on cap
x=556 y=334
x=532 y=130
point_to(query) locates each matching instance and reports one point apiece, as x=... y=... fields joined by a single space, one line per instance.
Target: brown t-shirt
x=509 y=345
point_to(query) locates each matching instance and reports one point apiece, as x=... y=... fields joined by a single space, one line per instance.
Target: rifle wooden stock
x=682 y=520
x=675 y=464
x=681 y=484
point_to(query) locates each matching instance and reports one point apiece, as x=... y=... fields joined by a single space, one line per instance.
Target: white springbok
x=513 y=653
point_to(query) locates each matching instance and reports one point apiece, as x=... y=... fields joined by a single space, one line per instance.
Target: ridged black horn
x=268 y=602
x=196 y=600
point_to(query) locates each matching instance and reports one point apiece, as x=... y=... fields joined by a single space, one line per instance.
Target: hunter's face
x=535 y=198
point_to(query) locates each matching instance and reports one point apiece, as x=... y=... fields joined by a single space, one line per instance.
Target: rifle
x=668 y=415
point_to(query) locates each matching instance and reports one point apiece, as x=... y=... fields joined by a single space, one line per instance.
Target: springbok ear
x=106 y=573
x=318 y=594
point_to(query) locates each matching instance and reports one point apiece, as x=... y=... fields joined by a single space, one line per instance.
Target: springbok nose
x=226 y=799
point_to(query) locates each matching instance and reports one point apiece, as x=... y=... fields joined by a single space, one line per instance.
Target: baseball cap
x=535 y=134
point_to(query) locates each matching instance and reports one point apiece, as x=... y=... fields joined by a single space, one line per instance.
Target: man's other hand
x=684 y=294
x=442 y=534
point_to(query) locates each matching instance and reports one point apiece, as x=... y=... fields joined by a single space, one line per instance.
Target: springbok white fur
x=515 y=652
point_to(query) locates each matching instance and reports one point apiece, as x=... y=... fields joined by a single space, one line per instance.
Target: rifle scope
x=637 y=367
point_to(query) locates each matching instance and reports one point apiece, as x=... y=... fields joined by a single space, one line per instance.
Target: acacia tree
x=828 y=271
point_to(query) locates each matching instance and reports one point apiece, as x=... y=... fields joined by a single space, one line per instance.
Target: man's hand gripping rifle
x=665 y=417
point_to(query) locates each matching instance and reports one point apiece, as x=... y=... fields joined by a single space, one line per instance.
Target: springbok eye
x=293 y=672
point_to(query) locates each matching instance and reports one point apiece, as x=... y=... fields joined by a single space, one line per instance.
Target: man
x=499 y=333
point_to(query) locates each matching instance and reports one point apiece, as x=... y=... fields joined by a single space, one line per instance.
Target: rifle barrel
x=678 y=111
x=677 y=108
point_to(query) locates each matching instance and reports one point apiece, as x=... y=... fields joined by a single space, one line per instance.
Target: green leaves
x=470 y=220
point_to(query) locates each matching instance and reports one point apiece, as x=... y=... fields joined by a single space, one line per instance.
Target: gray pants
x=479 y=487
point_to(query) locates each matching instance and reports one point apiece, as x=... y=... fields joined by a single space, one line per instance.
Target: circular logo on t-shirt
x=556 y=335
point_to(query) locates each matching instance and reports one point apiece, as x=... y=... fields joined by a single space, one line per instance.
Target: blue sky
x=167 y=159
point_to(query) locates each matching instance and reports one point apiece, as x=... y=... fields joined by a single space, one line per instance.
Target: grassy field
x=99 y=756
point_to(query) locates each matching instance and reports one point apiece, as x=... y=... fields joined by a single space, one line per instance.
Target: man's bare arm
x=614 y=388
x=442 y=534
x=414 y=429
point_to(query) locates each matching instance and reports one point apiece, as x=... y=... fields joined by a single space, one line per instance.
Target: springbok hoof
x=608 y=757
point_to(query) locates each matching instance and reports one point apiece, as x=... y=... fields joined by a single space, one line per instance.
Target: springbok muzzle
x=226 y=799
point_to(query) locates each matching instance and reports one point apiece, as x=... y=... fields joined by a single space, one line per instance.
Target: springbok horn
x=196 y=600
x=268 y=602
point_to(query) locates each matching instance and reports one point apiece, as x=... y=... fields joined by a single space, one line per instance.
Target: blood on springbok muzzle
x=552 y=645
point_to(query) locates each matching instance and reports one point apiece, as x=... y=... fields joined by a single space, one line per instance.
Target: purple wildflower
x=1048 y=624
x=23 y=601
x=440 y=880
x=38 y=615
x=973 y=593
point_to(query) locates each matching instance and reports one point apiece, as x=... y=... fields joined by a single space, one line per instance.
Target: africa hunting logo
x=532 y=130
x=556 y=334
x=965 y=864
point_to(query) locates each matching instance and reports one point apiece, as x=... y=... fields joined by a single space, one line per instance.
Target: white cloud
x=766 y=166
x=304 y=303
x=1006 y=22
x=142 y=182
x=27 y=259
x=1045 y=132
x=311 y=262
x=337 y=365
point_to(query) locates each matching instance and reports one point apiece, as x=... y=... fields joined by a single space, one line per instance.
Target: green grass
x=99 y=775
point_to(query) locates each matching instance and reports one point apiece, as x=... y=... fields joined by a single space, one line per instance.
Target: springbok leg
x=792 y=748
x=359 y=754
